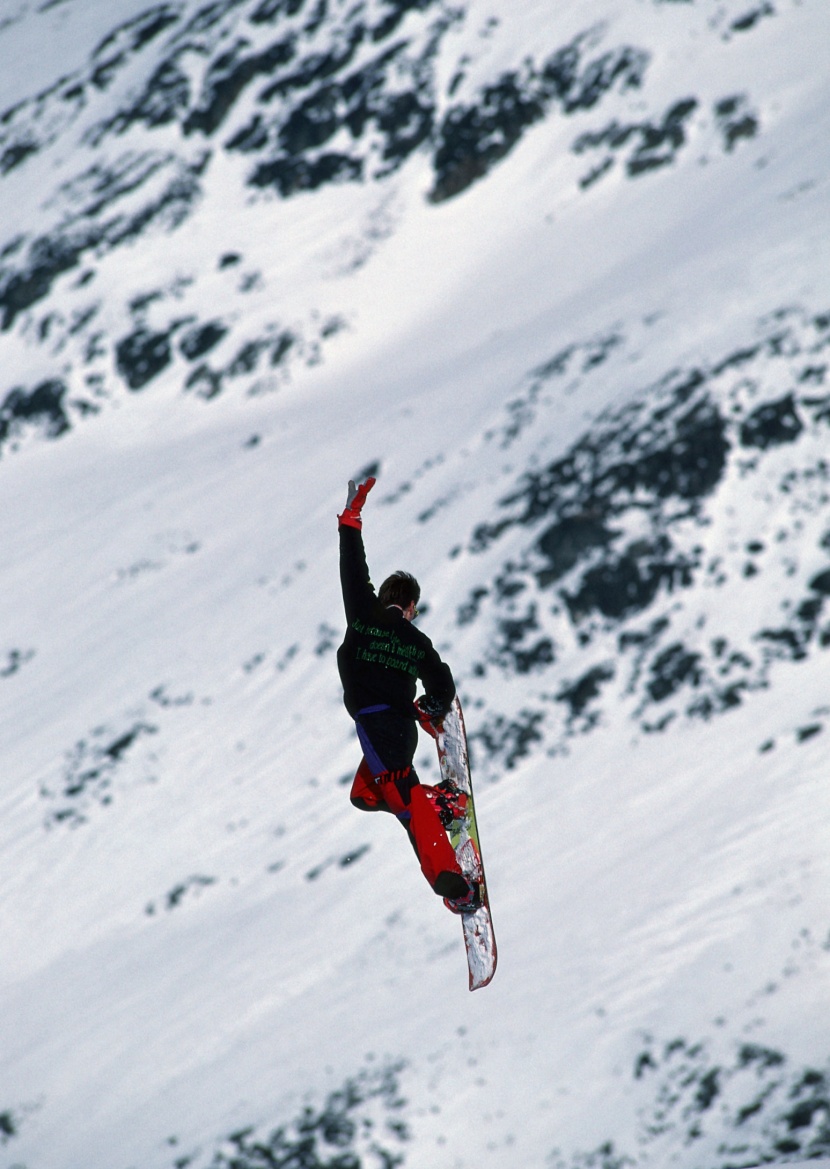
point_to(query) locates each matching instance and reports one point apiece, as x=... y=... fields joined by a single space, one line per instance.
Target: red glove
x=431 y=723
x=350 y=518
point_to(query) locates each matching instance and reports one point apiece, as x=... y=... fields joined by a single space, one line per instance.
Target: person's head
x=401 y=589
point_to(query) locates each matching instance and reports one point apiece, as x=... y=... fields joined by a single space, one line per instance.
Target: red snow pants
x=398 y=790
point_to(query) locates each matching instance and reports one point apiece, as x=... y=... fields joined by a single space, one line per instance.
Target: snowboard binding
x=449 y=802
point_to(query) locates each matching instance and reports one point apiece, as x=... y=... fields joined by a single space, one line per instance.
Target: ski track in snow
x=560 y=283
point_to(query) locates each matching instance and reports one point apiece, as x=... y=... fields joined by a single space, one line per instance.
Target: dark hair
x=401 y=588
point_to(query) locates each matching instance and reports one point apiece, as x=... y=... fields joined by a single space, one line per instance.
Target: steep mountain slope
x=560 y=281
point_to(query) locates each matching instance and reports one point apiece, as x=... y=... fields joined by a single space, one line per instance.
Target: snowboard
x=479 y=939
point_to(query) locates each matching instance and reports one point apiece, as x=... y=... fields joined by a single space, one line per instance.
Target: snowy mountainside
x=180 y=110
x=692 y=483
x=557 y=275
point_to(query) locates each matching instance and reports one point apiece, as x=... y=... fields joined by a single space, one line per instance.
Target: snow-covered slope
x=557 y=275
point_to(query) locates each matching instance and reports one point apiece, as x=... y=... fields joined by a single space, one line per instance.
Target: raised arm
x=358 y=593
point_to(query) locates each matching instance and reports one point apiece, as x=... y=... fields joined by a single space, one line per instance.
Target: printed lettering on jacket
x=385 y=648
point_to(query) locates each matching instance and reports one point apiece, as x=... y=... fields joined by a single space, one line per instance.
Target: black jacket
x=382 y=655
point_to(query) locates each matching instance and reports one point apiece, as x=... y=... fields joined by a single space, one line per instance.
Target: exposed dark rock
x=281 y=346
x=165 y=99
x=396 y=11
x=129 y=38
x=251 y=138
x=512 y=649
x=470 y=609
x=472 y=138
x=738 y=359
x=766 y=1110
x=736 y=120
x=200 y=340
x=269 y=11
x=8 y=1126
x=312 y=123
x=404 y=122
x=582 y=91
x=205 y=381
x=752 y=16
x=566 y=543
x=674 y=667
x=809 y=611
x=503 y=742
x=787 y=643
x=578 y=695
x=13 y=155
x=292 y=175
x=354 y=855
x=772 y=424
x=276 y=344
x=618 y=532
x=655 y=144
x=168 y=211
x=821 y=583
x=360 y=1122
x=44 y=405
x=369 y=471
x=335 y=99
x=680 y=452
x=142 y=355
x=98 y=188
x=804 y=734
x=226 y=79
x=49 y=257
x=247 y=358
x=89 y=771
x=628 y=583
x=658 y=144
x=208 y=16
x=192 y=885
x=15 y=659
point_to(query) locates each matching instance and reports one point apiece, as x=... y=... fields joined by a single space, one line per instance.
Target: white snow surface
x=186 y=949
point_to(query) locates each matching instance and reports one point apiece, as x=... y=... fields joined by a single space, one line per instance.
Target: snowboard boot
x=449 y=884
x=468 y=903
x=459 y=895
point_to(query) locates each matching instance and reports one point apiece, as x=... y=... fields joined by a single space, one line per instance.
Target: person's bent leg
x=405 y=796
x=365 y=793
x=389 y=739
x=435 y=853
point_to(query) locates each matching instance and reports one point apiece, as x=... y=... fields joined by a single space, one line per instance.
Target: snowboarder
x=382 y=657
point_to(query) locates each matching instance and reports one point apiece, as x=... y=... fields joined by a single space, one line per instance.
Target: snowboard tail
x=479 y=938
